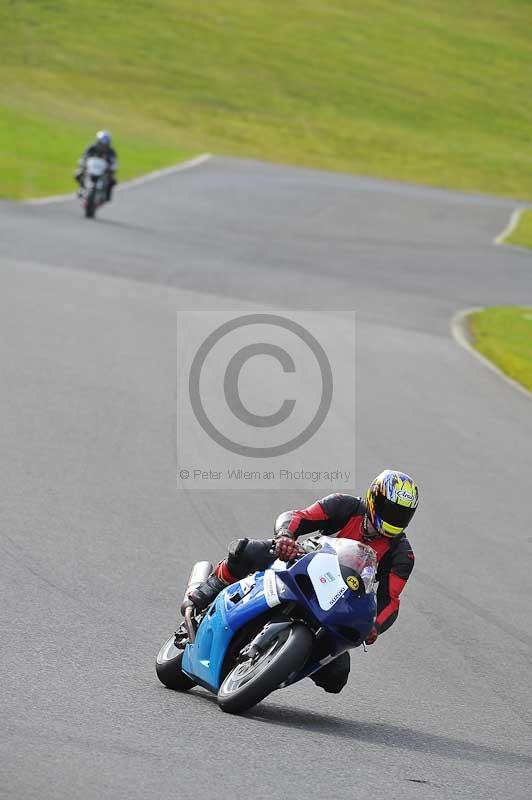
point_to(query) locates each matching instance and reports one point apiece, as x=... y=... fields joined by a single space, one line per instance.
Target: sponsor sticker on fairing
x=324 y=572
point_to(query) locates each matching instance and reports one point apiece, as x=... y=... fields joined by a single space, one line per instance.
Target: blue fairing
x=203 y=660
x=350 y=610
x=242 y=602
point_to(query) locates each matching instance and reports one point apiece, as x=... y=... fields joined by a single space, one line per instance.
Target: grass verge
x=504 y=335
x=522 y=233
x=430 y=91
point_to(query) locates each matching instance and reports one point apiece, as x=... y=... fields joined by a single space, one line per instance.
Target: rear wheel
x=168 y=667
x=252 y=680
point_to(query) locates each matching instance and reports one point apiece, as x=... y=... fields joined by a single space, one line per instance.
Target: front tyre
x=254 y=679
x=90 y=204
x=168 y=667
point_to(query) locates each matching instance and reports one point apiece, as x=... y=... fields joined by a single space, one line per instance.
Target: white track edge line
x=150 y=176
x=513 y=222
x=159 y=173
x=461 y=336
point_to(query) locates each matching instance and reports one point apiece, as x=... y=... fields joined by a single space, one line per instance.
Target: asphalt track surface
x=97 y=542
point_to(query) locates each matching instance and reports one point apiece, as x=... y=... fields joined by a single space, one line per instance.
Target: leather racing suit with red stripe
x=345 y=516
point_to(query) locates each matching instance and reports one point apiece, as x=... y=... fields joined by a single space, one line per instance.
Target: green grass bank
x=504 y=335
x=522 y=234
x=431 y=91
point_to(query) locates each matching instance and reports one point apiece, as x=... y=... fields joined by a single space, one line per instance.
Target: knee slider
x=237 y=548
x=235 y=558
x=248 y=555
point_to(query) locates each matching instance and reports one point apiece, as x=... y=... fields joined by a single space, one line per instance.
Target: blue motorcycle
x=275 y=627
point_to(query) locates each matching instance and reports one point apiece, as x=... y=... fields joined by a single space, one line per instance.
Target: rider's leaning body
x=378 y=521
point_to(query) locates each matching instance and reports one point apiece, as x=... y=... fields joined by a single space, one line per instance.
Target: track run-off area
x=97 y=541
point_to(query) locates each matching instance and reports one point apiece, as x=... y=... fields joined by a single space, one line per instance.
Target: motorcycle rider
x=378 y=520
x=102 y=148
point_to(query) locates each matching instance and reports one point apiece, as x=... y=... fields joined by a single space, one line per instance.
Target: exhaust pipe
x=199 y=574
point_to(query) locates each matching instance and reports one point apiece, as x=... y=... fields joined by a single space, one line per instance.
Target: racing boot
x=202 y=596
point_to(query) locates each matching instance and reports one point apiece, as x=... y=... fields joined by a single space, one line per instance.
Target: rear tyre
x=168 y=667
x=251 y=681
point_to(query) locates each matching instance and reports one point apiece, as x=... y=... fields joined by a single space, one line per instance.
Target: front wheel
x=168 y=667
x=254 y=679
x=90 y=204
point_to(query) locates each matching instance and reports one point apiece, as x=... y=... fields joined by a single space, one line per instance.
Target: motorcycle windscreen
x=354 y=556
x=96 y=166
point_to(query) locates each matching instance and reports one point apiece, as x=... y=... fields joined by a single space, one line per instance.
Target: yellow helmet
x=391 y=501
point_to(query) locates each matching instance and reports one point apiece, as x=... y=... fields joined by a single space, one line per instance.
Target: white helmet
x=104 y=137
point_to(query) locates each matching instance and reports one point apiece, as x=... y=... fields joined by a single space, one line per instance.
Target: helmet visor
x=392 y=513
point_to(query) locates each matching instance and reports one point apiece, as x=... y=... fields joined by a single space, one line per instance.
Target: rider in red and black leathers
x=345 y=516
x=339 y=515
